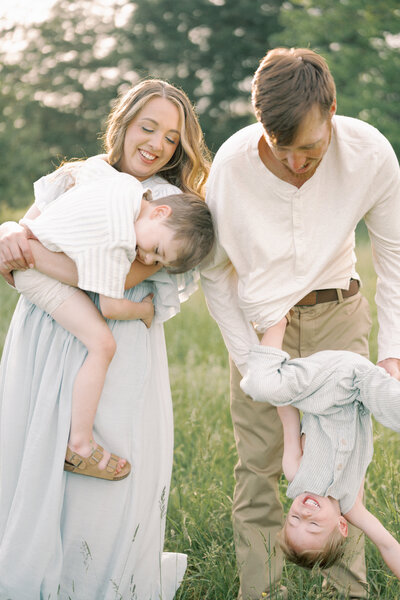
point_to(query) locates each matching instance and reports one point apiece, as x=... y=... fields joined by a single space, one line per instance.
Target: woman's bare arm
x=139 y=272
x=123 y=309
x=15 y=251
x=19 y=252
x=54 y=264
x=61 y=267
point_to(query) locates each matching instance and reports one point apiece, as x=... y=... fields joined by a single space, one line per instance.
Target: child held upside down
x=104 y=222
x=326 y=456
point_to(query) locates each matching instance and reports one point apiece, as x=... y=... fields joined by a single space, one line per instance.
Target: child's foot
x=99 y=459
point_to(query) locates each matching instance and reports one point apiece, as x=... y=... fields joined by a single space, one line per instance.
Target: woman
x=64 y=536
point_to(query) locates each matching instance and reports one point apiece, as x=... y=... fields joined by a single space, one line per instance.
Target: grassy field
x=199 y=512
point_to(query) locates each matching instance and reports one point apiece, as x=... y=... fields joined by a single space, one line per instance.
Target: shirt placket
x=299 y=241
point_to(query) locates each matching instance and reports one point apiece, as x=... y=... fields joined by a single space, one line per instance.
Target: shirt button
x=344 y=443
x=339 y=467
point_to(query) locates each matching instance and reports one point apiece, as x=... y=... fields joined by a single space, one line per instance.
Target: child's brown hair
x=191 y=222
x=308 y=559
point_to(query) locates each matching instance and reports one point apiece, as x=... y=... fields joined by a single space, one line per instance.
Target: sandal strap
x=80 y=462
x=88 y=465
x=76 y=460
x=112 y=463
x=96 y=456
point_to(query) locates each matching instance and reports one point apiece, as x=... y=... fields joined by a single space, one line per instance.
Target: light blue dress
x=68 y=536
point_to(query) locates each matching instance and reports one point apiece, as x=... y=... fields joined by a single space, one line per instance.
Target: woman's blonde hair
x=189 y=166
x=308 y=559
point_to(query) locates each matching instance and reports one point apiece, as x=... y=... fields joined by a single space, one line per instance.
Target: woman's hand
x=15 y=251
x=122 y=309
x=148 y=309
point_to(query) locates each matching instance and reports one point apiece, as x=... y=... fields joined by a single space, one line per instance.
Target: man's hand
x=392 y=366
x=15 y=251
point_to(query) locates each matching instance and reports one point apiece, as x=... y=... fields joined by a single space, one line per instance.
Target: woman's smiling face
x=151 y=138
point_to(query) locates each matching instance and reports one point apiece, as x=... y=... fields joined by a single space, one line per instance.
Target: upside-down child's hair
x=308 y=559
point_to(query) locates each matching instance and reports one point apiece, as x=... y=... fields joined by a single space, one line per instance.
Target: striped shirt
x=337 y=391
x=93 y=223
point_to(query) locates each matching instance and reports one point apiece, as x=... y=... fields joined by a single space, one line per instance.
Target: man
x=286 y=194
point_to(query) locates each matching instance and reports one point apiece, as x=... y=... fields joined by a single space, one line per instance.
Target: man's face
x=302 y=157
x=311 y=520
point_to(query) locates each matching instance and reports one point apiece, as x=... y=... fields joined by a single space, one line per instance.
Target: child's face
x=155 y=243
x=311 y=520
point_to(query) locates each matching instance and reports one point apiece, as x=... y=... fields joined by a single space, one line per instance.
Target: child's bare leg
x=80 y=316
x=274 y=335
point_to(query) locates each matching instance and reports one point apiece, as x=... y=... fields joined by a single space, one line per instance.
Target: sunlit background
x=24 y=11
x=63 y=62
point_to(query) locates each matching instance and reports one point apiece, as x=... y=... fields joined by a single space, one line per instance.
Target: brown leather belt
x=331 y=295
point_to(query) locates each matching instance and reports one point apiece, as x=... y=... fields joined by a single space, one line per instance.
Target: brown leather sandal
x=75 y=463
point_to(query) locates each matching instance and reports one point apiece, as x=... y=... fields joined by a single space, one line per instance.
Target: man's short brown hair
x=308 y=559
x=286 y=85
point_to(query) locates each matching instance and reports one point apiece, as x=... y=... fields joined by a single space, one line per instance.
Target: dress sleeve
x=49 y=187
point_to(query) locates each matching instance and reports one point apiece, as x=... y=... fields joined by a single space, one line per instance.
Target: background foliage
x=58 y=78
x=57 y=82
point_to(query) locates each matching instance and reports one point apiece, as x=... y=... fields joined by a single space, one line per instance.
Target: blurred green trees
x=361 y=41
x=58 y=78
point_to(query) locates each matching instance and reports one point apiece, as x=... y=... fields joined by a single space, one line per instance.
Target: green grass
x=199 y=510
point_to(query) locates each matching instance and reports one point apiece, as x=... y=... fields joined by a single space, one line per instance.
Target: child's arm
x=387 y=545
x=123 y=309
x=54 y=264
x=289 y=415
x=292 y=450
x=139 y=272
x=274 y=335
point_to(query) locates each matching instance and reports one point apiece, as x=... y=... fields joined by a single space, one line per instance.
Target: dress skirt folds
x=66 y=536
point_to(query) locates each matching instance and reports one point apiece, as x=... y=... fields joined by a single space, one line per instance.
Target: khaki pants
x=257 y=511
